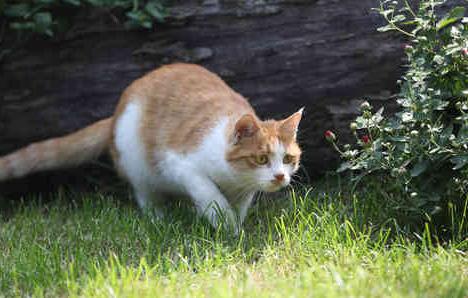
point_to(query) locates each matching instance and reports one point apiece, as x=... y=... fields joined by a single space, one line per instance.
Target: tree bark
x=323 y=55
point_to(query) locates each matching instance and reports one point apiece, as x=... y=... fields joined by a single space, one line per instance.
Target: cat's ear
x=289 y=126
x=246 y=126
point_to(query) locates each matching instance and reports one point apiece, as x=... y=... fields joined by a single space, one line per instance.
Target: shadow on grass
x=69 y=236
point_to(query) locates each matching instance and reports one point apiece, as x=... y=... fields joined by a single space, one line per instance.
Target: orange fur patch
x=180 y=103
x=264 y=141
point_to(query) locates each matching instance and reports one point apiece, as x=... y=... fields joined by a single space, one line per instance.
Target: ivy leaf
x=454 y=15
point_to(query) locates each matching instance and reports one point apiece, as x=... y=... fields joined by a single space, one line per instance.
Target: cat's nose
x=279 y=177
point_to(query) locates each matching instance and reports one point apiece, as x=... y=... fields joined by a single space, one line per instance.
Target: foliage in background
x=420 y=154
x=47 y=17
x=37 y=15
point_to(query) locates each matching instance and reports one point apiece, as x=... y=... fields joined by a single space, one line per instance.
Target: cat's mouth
x=274 y=186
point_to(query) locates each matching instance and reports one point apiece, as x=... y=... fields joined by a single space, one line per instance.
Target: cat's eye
x=287 y=159
x=261 y=159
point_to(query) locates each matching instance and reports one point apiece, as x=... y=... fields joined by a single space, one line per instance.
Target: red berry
x=365 y=139
x=464 y=52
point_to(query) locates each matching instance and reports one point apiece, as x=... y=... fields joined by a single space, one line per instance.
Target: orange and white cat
x=180 y=131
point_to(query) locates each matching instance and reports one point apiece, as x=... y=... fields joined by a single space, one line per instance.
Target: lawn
x=307 y=244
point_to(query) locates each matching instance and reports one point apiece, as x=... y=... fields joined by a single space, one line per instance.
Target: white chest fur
x=198 y=174
x=207 y=160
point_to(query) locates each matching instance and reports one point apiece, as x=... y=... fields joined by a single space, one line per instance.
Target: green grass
x=307 y=245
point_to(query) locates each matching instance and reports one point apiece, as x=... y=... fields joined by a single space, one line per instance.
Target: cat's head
x=265 y=153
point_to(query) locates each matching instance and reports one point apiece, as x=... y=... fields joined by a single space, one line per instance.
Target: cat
x=180 y=131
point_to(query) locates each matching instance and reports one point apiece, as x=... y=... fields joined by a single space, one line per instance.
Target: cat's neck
x=211 y=159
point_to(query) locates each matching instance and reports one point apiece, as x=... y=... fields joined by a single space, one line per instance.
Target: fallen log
x=323 y=55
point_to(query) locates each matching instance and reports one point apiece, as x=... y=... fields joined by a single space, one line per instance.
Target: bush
x=420 y=154
x=37 y=15
x=47 y=17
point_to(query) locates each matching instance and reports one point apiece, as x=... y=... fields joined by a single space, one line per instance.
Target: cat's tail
x=70 y=150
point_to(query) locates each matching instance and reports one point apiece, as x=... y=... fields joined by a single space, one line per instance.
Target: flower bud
x=353 y=126
x=365 y=106
x=330 y=136
x=464 y=51
x=365 y=139
x=407 y=47
x=414 y=133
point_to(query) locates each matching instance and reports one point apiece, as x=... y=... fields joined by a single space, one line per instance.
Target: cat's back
x=178 y=106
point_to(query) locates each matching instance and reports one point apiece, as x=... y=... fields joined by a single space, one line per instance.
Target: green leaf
x=438 y=59
x=385 y=28
x=17 y=10
x=447 y=132
x=419 y=168
x=155 y=10
x=399 y=139
x=459 y=161
x=43 y=19
x=454 y=15
x=139 y=18
x=73 y=2
x=43 y=23
x=343 y=167
x=399 y=18
x=44 y=1
x=23 y=26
